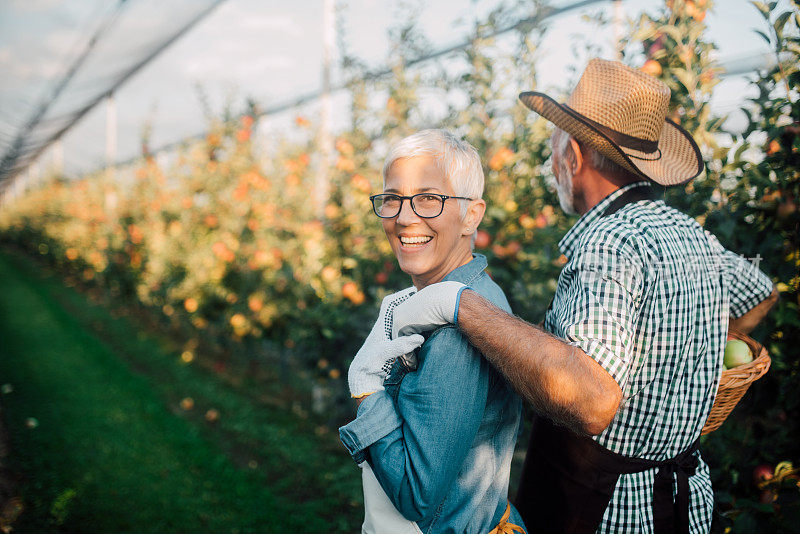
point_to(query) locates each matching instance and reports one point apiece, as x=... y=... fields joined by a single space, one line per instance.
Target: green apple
x=736 y=353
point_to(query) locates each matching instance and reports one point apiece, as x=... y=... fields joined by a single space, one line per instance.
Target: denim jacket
x=440 y=438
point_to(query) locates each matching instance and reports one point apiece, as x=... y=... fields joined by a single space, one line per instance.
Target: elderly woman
x=436 y=427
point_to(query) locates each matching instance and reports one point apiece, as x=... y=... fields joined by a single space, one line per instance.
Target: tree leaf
x=685 y=78
x=780 y=22
x=673 y=32
x=762 y=7
x=764 y=35
x=737 y=156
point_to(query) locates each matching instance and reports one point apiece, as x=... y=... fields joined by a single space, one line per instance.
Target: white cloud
x=248 y=18
x=140 y=20
x=62 y=41
x=36 y=61
x=34 y=5
x=221 y=65
x=284 y=24
x=17 y=70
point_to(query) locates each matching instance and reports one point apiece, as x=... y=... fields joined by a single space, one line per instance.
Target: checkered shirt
x=648 y=293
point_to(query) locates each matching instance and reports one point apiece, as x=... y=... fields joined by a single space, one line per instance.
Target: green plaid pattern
x=647 y=293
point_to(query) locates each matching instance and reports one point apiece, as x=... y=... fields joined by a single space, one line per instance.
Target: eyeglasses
x=426 y=205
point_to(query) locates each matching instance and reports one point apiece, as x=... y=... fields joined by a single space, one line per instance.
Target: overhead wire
x=27 y=146
x=12 y=154
x=733 y=68
x=24 y=150
x=547 y=12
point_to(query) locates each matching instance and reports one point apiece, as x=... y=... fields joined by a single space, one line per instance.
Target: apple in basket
x=736 y=353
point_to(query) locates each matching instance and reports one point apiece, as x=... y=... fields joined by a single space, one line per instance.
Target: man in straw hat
x=629 y=356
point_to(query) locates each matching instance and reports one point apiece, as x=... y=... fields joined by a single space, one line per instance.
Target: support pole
x=322 y=186
x=58 y=158
x=111 y=134
x=34 y=176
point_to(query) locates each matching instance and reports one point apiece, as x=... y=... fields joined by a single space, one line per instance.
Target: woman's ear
x=473 y=217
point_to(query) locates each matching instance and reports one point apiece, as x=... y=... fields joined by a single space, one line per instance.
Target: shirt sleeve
x=748 y=285
x=441 y=408
x=376 y=417
x=599 y=308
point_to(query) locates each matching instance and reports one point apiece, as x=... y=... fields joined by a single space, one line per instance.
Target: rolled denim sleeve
x=748 y=285
x=376 y=417
x=441 y=407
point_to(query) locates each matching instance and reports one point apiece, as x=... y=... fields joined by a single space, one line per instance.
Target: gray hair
x=458 y=160
x=560 y=142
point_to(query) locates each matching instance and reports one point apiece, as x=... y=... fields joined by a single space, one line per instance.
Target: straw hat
x=622 y=113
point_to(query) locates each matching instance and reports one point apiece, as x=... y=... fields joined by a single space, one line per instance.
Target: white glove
x=433 y=306
x=373 y=360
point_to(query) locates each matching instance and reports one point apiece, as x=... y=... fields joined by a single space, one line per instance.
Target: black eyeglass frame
x=411 y=201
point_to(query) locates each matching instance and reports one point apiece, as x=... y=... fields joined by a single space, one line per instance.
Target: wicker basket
x=734 y=382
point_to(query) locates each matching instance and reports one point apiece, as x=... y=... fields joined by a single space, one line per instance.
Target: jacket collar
x=467 y=273
x=570 y=239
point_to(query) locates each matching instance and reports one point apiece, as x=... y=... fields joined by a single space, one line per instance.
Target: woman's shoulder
x=449 y=338
x=473 y=274
x=445 y=339
x=488 y=289
x=448 y=348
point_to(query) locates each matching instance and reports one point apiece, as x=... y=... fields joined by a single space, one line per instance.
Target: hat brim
x=676 y=162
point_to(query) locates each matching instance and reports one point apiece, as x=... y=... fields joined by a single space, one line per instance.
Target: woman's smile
x=414 y=242
x=426 y=248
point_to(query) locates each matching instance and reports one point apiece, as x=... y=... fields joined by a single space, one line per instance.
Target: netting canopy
x=59 y=59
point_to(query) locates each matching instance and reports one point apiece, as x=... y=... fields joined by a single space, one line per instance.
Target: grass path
x=110 y=451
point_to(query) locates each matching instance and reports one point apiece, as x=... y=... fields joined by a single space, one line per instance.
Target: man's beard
x=564 y=189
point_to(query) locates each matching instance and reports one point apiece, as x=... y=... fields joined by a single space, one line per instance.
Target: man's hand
x=433 y=306
x=371 y=364
x=748 y=321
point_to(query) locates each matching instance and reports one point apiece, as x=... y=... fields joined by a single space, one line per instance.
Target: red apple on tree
x=768 y=496
x=513 y=248
x=762 y=473
x=483 y=239
x=652 y=67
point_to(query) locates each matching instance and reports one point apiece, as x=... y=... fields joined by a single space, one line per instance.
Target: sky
x=271 y=51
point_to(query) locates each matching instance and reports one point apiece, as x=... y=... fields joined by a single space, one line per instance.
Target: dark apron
x=568 y=480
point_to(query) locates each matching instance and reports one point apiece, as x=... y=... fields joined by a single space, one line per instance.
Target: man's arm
x=750 y=319
x=576 y=379
x=561 y=381
x=752 y=293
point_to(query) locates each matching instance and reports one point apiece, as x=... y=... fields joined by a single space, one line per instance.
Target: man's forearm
x=559 y=380
x=747 y=322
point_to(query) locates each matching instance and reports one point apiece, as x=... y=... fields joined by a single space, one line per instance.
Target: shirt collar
x=570 y=239
x=467 y=273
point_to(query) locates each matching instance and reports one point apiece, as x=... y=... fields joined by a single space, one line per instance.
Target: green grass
x=114 y=452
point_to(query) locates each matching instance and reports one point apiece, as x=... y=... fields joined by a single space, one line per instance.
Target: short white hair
x=458 y=160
